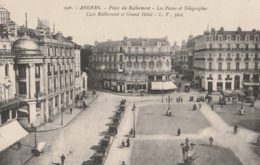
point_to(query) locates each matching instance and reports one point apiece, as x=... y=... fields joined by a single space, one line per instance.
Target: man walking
x=62 y=158
x=179 y=132
x=70 y=110
x=212 y=107
x=210 y=141
x=235 y=129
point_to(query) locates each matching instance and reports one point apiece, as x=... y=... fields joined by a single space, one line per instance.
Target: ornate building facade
x=227 y=60
x=45 y=75
x=9 y=102
x=131 y=65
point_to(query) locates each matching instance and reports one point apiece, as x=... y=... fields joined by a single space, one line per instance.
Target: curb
x=54 y=129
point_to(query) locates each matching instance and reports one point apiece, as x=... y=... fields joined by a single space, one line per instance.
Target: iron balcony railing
x=9 y=102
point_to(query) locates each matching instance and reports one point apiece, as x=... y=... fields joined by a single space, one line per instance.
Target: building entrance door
x=237 y=82
x=210 y=87
x=136 y=88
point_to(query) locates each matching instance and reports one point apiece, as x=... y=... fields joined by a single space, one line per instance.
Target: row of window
x=55 y=51
x=229 y=46
x=229 y=38
x=246 y=77
x=237 y=56
x=237 y=66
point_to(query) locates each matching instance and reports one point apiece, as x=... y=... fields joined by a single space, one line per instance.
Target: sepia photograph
x=129 y=82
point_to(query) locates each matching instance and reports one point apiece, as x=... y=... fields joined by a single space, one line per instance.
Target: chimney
x=53 y=28
x=26 y=20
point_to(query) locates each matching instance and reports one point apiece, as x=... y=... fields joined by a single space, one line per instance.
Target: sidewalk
x=67 y=117
x=13 y=156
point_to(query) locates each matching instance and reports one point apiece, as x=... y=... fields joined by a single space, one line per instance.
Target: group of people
x=179 y=100
x=126 y=144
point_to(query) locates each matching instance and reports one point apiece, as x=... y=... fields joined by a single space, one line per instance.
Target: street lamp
x=133 y=109
x=162 y=91
x=169 y=100
x=62 y=108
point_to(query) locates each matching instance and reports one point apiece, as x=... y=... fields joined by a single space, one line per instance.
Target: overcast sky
x=85 y=30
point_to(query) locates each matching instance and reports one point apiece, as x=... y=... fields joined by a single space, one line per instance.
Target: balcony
x=237 y=59
x=40 y=95
x=247 y=59
x=5 y=53
x=220 y=59
x=9 y=103
x=228 y=59
x=55 y=72
x=256 y=59
x=210 y=59
x=129 y=64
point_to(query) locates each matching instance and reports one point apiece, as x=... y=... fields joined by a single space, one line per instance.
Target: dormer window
x=143 y=43
x=256 y=38
x=210 y=38
x=158 y=43
x=220 y=38
x=238 y=38
x=247 y=38
x=129 y=43
x=229 y=38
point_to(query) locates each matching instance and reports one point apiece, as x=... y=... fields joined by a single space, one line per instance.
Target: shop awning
x=167 y=85
x=251 y=83
x=10 y=134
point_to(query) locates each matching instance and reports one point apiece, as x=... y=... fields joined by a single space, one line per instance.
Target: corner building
x=227 y=60
x=131 y=65
x=45 y=76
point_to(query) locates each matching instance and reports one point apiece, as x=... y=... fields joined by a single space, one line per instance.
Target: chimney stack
x=53 y=28
x=26 y=20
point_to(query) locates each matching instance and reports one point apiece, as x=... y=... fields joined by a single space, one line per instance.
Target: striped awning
x=11 y=133
x=161 y=85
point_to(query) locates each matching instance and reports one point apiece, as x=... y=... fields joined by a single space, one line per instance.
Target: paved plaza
x=156 y=140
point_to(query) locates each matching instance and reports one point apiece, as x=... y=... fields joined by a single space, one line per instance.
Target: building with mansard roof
x=132 y=65
x=44 y=68
x=227 y=60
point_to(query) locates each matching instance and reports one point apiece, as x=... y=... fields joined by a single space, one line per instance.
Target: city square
x=131 y=83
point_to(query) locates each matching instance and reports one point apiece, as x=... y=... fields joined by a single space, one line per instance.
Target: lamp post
x=162 y=91
x=169 y=100
x=62 y=108
x=133 y=109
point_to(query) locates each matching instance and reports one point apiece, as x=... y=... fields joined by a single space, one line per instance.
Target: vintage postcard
x=129 y=82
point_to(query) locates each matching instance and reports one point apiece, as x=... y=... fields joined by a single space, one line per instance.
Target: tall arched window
x=6 y=70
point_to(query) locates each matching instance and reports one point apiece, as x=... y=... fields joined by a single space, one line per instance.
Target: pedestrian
x=128 y=142
x=70 y=110
x=181 y=100
x=176 y=100
x=212 y=107
x=123 y=163
x=187 y=141
x=210 y=141
x=123 y=143
x=62 y=158
x=179 y=132
x=199 y=106
x=197 y=99
x=19 y=145
x=235 y=128
x=84 y=105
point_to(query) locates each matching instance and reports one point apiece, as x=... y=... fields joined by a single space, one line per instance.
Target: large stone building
x=132 y=65
x=227 y=60
x=45 y=75
x=9 y=102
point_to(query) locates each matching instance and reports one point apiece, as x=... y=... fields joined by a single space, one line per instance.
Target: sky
x=229 y=14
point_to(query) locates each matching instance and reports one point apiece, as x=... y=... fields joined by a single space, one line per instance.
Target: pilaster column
x=27 y=81
x=46 y=110
x=32 y=86
x=42 y=78
x=32 y=112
